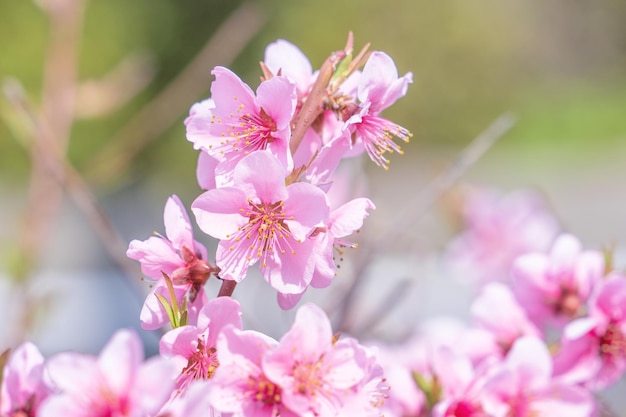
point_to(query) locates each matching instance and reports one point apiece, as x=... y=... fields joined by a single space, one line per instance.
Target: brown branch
x=227 y=288
x=165 y=109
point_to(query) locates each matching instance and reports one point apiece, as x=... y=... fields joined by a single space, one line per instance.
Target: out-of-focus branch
x=57 y=112
x=421 y=203
x=384 y=307
x=49 y=136
x=120 y=85
x=57 y=169
x=162 y=112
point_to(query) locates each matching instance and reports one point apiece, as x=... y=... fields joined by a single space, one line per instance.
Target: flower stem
x=227 y=288
x=313 y=106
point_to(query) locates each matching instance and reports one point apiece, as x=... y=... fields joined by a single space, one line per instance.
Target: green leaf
x=168 y=310
x=431 y=388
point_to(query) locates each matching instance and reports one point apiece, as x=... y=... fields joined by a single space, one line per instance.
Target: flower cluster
x=267 y=162
x=548 y=327
x=210 y=368
x=548 y=330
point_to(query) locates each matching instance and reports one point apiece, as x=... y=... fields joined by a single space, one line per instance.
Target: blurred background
x=95 y=94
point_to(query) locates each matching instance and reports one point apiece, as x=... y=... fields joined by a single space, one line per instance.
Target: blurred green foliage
x=559 y=65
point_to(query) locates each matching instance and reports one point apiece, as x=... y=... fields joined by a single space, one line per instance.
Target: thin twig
x=384 y=307
x=165 y=109
x=420 y=204
x=433 y=191
x=54 y=164
x=57 y=106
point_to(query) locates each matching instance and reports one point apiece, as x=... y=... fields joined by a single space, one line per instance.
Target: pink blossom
x=379 y=87
x=22 y=388
x=116 y=383
x=239 y=384
x=178 y=255
x=194 y=403
x=497 y=311
x=593 y=348
x=498 y=230
x=259 y=219
x=368 y=397
x=238 y=122
x=523 y=386
x=461 y=385
x=404 y=398
x=193 y=347
x=286 y=59
x=315 y=373
x=342 y=222
x=557 y=286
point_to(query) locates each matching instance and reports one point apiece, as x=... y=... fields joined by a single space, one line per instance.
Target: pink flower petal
x=229 y=93
x=205 y=171
x=218 y=313
x=348 y=218
x=177 y=225
x=284 y=57
x=155 y=255
x=277 y=97
x=198 y=124
x=268 y=187
x=74 y=373
x=309 y=207
x=153 y=385
x=119 y=360
x=218 y=213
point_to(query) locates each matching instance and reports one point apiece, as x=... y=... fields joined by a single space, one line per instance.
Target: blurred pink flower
x=404 y=397
x=554 y=288
x=195 y=403
x=259 y=219
x=116 y=383
x=593 y=348
x=523 y=386
x=497 y=311
x=498 y=230
x=193 y=347
x=22 y=388
x=461 y=385
x=367 y=398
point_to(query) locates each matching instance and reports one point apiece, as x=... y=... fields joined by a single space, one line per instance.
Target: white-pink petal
x=177 y=225
x=218 y=212
x=119 y=360
x=284 y=57
x=261 y=177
